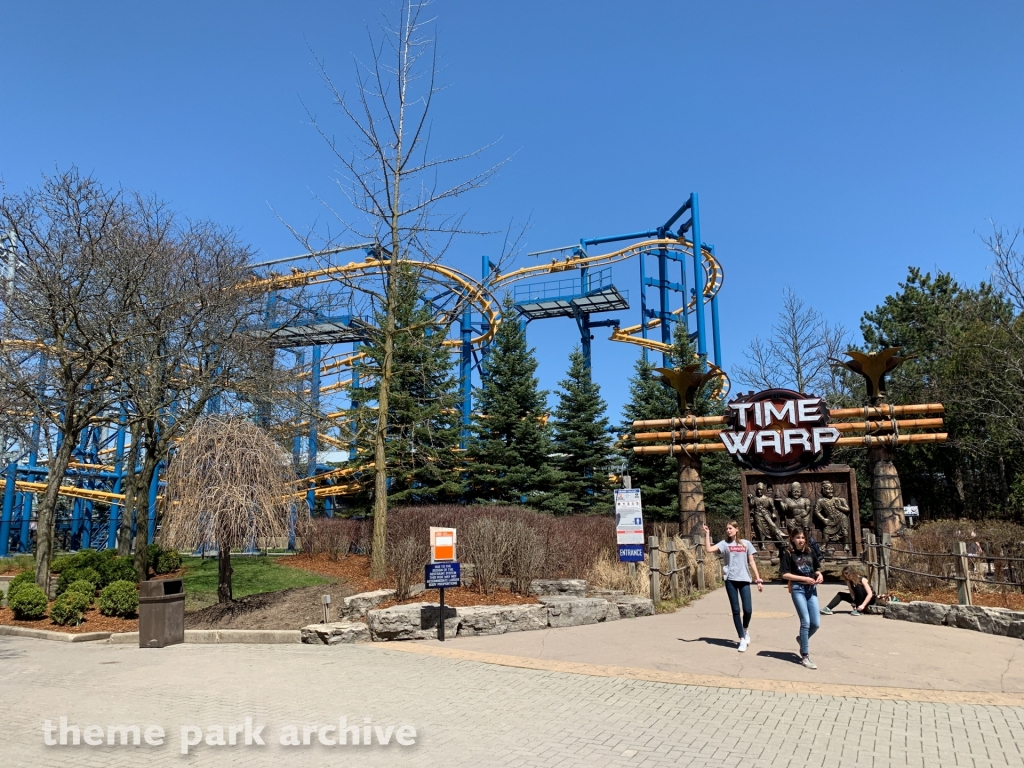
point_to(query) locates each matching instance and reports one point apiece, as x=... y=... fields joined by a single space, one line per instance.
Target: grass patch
x=251 y=576
x=9 y=566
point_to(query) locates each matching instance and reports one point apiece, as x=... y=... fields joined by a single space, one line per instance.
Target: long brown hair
x=795 y=531
x=736 y=538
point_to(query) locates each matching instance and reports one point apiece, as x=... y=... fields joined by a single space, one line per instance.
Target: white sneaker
x=746 y=636
x=743 y=645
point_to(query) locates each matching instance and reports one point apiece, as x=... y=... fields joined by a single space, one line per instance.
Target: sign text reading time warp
x=780 y=427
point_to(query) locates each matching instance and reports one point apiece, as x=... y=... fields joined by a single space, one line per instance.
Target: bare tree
x=798 y=351
x=396 y=189
x=228 y=483
x=65 y=329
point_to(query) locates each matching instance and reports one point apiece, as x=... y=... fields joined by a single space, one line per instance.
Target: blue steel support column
x=584 y=318
x=8 y=508
x=643 y=303
x=716 y=336
x=664 y=311
x=117 y=510
x=466 y=372
x=151 y=520
x=698 y=269
x=314 y=412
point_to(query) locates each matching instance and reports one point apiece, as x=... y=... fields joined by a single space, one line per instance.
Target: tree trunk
x=48 y=508
x=886 y=493
x=691 y=495
x=224 y=573
x=378 y=560
x=142 y=486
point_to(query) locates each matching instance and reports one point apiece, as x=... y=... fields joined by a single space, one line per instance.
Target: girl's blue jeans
x=805 y=600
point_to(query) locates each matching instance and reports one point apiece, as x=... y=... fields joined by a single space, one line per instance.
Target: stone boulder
x=606 y=593
x=356 y=606
x=577 y=611
x=499 y=619
x=559 y=587
x=918 y=611
x=336 y=632
x=415 y=621
x=632 y=606
x=992 y=621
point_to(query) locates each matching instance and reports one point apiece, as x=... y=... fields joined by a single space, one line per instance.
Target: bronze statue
x=834 y=514
x=796 y=508
x=762 y=512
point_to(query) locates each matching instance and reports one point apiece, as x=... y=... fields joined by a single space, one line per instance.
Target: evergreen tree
x=423 y=410
x=511 y=446
x=582 y=442
x=655 y=476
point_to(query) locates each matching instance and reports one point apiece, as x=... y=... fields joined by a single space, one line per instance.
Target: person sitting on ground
x=860 y=595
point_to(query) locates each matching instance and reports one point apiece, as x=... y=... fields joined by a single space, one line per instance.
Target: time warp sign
x=779 y=431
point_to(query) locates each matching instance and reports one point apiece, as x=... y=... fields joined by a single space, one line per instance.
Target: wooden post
x=699 y=542
x=886 y=493
x=652 y=545
x=963 y=584
x=872 y=553
x=883 y=572
x=670 y=547
x=691 y=495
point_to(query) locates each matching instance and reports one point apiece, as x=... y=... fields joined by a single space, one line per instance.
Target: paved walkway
x=469 y=713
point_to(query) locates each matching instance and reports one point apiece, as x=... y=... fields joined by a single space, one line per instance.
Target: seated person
x=860 y=595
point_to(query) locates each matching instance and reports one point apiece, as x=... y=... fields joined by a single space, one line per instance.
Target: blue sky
x=832 y=145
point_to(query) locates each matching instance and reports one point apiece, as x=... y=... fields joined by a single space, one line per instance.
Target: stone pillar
x=886 y=493
x=691 y=496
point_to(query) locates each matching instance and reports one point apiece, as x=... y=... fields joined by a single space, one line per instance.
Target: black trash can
x=161 y=613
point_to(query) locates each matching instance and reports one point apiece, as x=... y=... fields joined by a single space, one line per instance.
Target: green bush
x=153 y=552
x=118 y=569
x=168 y=561
x=58 y=564
x=23 y=578
x=71 y=575
x=29 y=602
x=83 y=587
x=119 y=599
x=88 y=558
x=70 y=607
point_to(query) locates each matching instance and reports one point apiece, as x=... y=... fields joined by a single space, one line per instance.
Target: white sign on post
x=629 y=524
x=911 y=512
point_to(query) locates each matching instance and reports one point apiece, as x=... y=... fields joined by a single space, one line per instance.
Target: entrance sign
x=911 y=512
x=442 y=545
x=779 y=431
x=629 y=525
x=442 y=575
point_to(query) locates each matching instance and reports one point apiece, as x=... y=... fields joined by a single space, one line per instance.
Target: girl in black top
x=860 y=595
x=800 y=566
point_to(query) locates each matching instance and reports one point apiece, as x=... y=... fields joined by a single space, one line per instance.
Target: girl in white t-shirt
x=738 y=563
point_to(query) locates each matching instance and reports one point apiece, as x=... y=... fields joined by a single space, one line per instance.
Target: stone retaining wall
x=992 y=621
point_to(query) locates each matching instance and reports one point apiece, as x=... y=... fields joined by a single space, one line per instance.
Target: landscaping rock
x=924 y=612
x=559 y=587
x=992 y=621
x=336 y=632
x=499 y=619
x=898 y=611
x=577 y=611
x=415 y=621
x=606 y=593
x=632 y=606
x=356 y=606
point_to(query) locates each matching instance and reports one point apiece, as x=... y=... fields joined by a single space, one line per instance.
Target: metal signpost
x=443 y=571
x=629 y=525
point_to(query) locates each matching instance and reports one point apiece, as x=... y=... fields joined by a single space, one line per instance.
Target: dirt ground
x=93 y=621
x=989 y=598
x=287 y=609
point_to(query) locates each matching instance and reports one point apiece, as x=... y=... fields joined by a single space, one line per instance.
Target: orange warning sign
x=442 y=545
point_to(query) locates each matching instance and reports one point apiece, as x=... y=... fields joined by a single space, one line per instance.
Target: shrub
x=526 y=554
x=88 y=558
x=58 y=564
x=407 y=556
x=168 y=561
x=331 y=536
x=71 y=575
x=485 y=543
x=23 y=578
x=118 y=569
x=29 y=602
x=153 y=554
x=120 y=598
x=83 y=587
x=70 y=607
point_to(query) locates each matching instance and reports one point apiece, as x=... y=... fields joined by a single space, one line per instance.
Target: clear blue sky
x=832 y=144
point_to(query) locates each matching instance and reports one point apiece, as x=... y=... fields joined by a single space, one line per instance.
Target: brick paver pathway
x=466 y=713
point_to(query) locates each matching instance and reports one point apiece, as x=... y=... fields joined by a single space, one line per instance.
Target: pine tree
x=511 y=445
x=581 y=440
x=423 y=410
x=655 y=476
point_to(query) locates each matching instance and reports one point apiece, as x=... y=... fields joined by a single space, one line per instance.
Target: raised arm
x=708 y=546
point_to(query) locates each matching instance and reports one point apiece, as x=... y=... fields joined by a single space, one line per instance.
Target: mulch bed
x=1012 y=600
x=94 y=621
x=355 y=571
